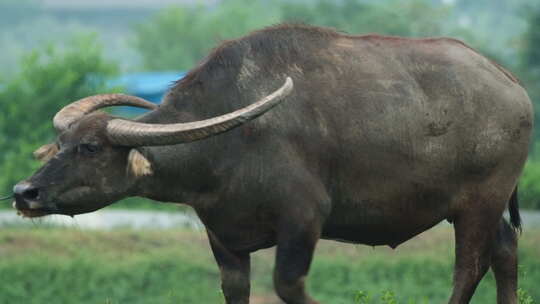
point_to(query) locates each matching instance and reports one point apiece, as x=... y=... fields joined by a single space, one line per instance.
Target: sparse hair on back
x=280 y=43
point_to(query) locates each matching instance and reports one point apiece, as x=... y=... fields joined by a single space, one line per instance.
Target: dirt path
x=109 y=219
x=264 y=299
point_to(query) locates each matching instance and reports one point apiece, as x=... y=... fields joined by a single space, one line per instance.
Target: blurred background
x=136 y=251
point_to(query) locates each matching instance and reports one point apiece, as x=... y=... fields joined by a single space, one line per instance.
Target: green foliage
x=362 y=297
x=49 y=79
x=529 y=185
x=531 y=56
x=180 y=49
x=176 y=266
x=389 y=297
x=113 y=268
x=408 y=18
x=152 y=279
x=423 y=277
x=176 y=38
x=529 y=69
x=524 y=297
x=386 y=297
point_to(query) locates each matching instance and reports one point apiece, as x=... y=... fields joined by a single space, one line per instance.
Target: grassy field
x=52 y=265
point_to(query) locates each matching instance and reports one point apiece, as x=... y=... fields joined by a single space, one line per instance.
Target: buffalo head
x=96 y=159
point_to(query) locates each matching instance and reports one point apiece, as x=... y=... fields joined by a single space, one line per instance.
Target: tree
x=48 y=80
x=530 y=72
x=530 y=62
x=531 y=51
x=404 y=18
x=178 y=37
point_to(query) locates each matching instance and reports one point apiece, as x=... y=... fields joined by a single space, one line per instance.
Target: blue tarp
x=151 y=86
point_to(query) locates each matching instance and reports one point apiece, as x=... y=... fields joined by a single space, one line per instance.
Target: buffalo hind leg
x=504 y=263
x=474 y=235
x=296 y=244
x=235 y=272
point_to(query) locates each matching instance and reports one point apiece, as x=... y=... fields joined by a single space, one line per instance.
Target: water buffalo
x=372 y=140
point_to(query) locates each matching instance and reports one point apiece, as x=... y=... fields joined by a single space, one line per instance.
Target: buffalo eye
x=88 y=148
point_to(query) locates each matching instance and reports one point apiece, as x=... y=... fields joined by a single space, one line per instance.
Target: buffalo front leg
x=504 y=264
x=303 y=209
x=235 y=270
x=296 y=244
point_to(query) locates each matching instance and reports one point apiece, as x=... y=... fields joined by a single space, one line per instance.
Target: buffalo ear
x=138 y=165
x=46 y=152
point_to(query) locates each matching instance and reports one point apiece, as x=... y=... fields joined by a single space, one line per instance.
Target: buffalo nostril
x=26 y=191
x=31 y=194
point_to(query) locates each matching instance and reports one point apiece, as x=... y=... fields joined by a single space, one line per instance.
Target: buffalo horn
x=131 y=133
x=74 y=111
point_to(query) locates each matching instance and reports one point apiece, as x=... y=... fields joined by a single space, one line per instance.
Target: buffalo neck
x=182 y=172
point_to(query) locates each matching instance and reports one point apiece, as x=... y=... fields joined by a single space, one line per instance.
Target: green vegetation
x=409 y=18
x=177 y=38
x=180 y=36
x=55 y=266
x=530 y=74
x=124 y=266
x=529 y=185
x=531 y=52
x=49 y=79
x=530 y=60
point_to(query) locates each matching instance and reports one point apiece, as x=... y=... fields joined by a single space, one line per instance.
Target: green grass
x=52 y=265
x=58 y=266
x=419 y=271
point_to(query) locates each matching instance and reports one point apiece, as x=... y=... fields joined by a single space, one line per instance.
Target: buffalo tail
x=513 y=209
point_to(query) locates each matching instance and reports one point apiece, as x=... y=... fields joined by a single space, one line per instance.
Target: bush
x=52 y=265
x=49 y=79
x=178 y=37
x=529 y=186
x=406 y=18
